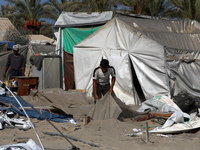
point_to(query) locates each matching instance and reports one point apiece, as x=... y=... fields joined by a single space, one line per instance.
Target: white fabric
x=179 y=127
x=30 y=145
x=122 y=46
x=164 y=104
x=71 y=18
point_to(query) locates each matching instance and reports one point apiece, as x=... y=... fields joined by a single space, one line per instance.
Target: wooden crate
x=26 y=84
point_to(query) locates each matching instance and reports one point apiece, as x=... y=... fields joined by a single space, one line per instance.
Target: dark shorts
x=102 y=90
x=15 y=73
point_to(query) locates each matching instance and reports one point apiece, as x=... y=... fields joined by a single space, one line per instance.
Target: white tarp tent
x=71 y=19
x=124 y=47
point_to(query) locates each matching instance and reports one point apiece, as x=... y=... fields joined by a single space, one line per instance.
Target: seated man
x=101 y=79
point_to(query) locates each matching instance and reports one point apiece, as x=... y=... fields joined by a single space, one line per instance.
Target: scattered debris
x=30 y=145
x=165 y=135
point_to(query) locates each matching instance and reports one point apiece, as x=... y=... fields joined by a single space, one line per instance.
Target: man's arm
x=7 y=65
x=6 y=69
x=112 y=84
x=23 y=71
x=23 y=65
x=95 y=89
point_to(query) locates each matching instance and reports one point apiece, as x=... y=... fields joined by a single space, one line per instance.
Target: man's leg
x=98 y=93
x=15 y=73
x=105 y=89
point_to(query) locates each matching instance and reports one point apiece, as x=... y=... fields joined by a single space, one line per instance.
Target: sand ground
x=106 y=134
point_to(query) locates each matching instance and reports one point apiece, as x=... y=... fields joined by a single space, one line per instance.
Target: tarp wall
x=121 y=45
x=184 y=70
x=70 y=29
x=72 y=36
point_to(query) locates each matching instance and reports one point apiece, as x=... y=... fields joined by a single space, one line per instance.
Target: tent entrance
x=137 y=84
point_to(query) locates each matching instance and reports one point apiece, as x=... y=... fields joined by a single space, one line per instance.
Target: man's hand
x=96 y=97
x=112 y=85
x=111 y=90
x=4 y=75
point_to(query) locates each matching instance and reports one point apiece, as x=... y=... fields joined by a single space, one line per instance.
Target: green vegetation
x=19 y=11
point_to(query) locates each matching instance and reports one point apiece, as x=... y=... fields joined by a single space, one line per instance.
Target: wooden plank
x=38 y=107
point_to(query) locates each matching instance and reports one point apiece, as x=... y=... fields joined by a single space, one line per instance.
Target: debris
x=136 y=130
x=25 y=146
x=165 y=135
x=134 y=134
x=159 y=120
x=87 y=119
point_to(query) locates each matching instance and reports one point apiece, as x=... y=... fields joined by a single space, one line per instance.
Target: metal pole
x=25 y=115
x=147 y=132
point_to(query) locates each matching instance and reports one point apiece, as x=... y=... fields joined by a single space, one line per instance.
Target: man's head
x=104 y=65
x=16 y=48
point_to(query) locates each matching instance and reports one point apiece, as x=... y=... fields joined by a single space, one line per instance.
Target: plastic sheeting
x=176 y=122
x=32 y=113
x=105 y=108
x=10 y=44
x=124 y=47
x=67 y=19
x=183 y=71
x=72 y=36
x=180 y=34
x=179 y=127
x=30 y=145
x=165 y=104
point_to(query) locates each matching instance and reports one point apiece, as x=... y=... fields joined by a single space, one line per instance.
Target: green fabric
x=72 y=36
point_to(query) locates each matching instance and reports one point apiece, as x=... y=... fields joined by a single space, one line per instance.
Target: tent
x=70 y=29
x=27 y=51
x=41 y=39
x=138 y=48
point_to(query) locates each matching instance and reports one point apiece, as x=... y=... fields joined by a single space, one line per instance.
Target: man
x=16 y=63
x=101 y=79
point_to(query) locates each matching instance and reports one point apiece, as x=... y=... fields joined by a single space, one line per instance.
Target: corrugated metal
x=5 y=24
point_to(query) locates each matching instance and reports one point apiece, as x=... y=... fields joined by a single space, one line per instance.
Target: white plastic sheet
x=122 y=46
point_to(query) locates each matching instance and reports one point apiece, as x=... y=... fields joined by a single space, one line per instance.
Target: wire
x=25 y=114
x=43 y=117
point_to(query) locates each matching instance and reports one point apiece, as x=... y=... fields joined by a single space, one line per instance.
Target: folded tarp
x=31 y=113
x=38 y=60
x=105 y=108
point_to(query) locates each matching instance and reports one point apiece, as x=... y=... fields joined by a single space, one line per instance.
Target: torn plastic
x=30 y=145
x=165 y=104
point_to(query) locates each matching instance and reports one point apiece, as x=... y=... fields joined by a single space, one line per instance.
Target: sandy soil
x=107 y=135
